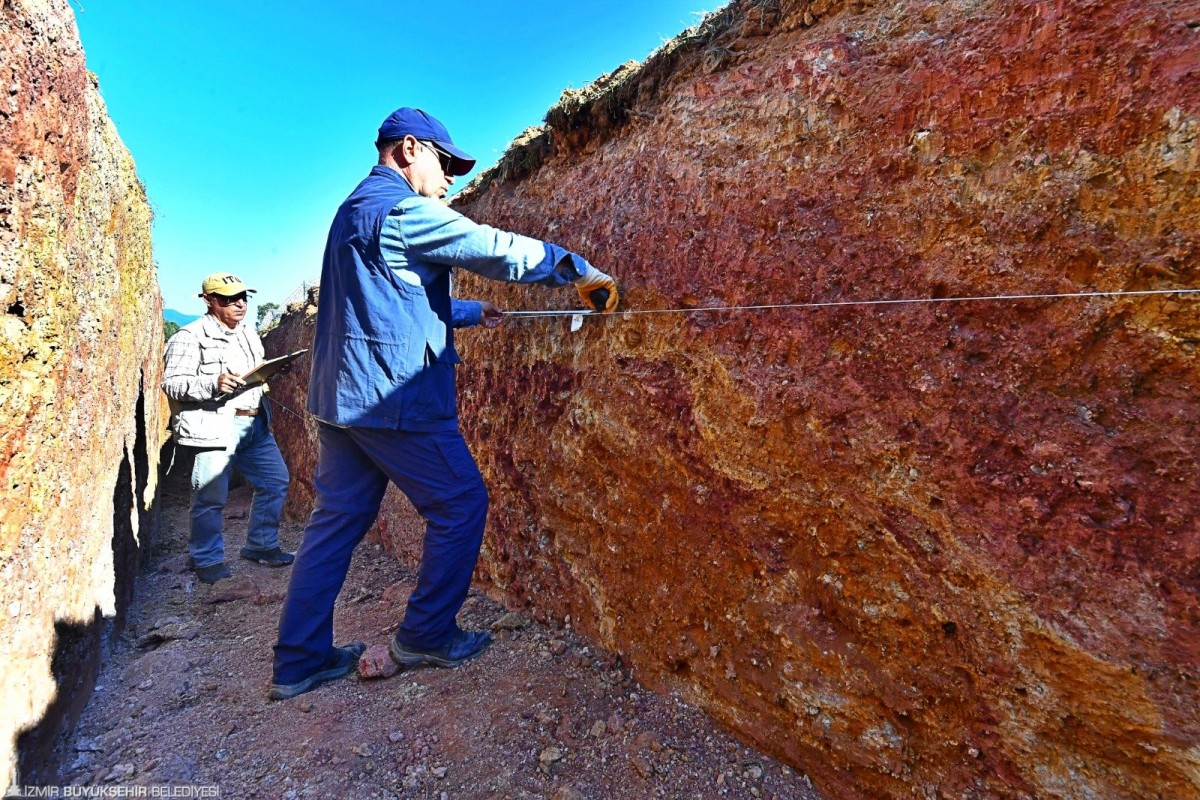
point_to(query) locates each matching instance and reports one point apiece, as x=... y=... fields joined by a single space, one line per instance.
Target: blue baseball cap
x=416 y=123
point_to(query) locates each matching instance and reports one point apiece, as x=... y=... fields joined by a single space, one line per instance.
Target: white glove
x=593 y=286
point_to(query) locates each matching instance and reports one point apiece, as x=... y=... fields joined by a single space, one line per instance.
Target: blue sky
x=251 y=121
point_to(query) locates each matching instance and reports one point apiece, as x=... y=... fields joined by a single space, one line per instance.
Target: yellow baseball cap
x=225 y=284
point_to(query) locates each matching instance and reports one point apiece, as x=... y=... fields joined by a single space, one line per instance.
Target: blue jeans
x=437 y=472
x=257 y=457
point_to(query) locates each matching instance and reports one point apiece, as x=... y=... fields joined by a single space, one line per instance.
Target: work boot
x=342 y=662
x=463 y=646
x=272 y=558
x=213 y=572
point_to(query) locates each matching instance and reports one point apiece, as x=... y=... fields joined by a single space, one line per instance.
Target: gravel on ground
x=542 y=713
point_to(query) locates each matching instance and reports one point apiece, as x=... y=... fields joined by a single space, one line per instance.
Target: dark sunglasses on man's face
x=443 y=158
x=228 y=301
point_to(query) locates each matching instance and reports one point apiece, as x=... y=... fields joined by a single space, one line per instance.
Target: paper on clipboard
x=269 y=367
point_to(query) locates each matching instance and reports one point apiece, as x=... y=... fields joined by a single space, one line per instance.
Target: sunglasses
x=444 y=159
x=228 y=301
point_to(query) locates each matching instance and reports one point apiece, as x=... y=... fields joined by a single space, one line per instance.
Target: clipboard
x=266 y=369
x=258 y=376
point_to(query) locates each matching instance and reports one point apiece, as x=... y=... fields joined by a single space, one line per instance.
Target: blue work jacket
x=383 y=353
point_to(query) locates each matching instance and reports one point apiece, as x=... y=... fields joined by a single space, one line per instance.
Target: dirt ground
x=542 y=714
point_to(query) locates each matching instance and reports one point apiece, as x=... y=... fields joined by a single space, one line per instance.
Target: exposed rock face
x=932 y=550
x=294 y=428
x=80 y=340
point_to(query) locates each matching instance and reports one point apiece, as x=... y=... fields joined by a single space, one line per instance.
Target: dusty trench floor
x=542 y=714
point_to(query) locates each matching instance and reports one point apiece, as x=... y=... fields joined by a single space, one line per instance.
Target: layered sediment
x=938 y=549
x=80 y=346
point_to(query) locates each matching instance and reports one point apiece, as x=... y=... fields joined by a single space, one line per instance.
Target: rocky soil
x=542 y=714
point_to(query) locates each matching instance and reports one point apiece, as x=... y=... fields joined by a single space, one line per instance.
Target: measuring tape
x=844 y=303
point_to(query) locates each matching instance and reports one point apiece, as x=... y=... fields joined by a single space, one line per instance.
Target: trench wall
x=80 y=362
x=933 y=550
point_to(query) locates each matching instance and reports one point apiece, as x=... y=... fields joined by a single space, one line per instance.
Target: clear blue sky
x=251 y=120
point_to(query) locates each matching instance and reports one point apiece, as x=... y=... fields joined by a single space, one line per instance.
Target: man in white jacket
x=228 y=424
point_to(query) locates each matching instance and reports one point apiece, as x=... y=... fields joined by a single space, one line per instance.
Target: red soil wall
x=935 y=550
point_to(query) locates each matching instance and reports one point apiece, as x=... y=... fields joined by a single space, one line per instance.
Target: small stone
x=511 y=622
x=643 y=767
x=175 y=629
x=549 y=756
x=597 y=729
x=176 y=565
x=395 y=736
x=362 y=595
x=174 y=769
x=121 y=772
x=377 y=663
x=648 y=741
x=268 y=598
x=397 y=592
x=238 y=587
x=146 y=684
x=565 y=729
x=440 y=772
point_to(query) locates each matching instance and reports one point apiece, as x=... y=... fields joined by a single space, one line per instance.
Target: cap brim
x=461 y=161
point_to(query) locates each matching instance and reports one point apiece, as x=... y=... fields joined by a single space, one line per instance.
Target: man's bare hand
x=229 y=383
x=492 y=316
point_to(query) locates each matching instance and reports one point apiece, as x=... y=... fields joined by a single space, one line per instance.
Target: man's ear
x=406 y=151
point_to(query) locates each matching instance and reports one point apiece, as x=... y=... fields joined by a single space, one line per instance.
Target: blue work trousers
x=256 y=455
x=439 y=476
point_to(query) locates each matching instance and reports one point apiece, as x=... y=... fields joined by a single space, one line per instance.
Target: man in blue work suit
x=382 y=390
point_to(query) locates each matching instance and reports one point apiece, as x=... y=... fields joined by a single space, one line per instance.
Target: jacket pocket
x=431 y=394
x=204 y=427
x=211 y=359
